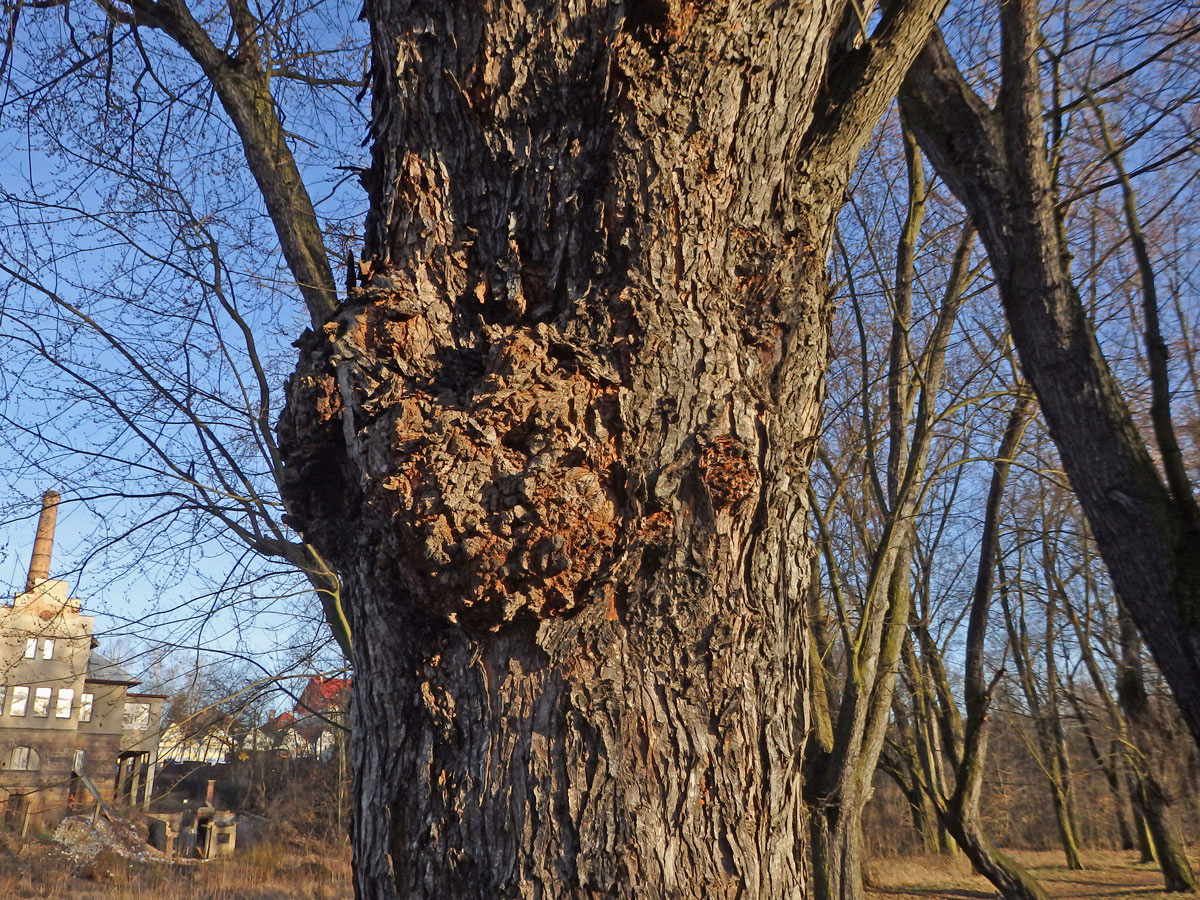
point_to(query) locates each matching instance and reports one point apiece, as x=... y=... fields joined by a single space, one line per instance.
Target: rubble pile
x=82 y=840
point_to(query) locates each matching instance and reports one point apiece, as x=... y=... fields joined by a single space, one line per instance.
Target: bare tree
x=965 y=738
x=1036 y=665
x=1140 y=728
x=1146 y=524
x=158 y=414
x=877 y=488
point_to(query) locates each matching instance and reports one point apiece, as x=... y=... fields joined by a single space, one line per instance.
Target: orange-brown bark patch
x=657 y=527
x=728 y=471
x=502 y=505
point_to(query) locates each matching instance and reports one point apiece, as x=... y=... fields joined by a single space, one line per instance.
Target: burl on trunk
x=556 y=439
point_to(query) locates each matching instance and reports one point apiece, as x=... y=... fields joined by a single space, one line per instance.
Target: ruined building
x=69 y=723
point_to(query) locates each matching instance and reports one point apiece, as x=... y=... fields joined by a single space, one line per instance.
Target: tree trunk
x=1164 y=836
x=1137 y=734
x=967 y=741
x=837 y=852
x=1065 y=821
x=1108 y=764
x=913 y=757
x=1054 y=738
x=556 y=442
x=1149 y=794
x=1145 y=841
x=1007 y=876
x=944 y=843
x=934 y=837
x=961 y=811
x=838 y=775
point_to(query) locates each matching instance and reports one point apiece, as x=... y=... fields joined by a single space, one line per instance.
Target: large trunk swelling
x=570 y=411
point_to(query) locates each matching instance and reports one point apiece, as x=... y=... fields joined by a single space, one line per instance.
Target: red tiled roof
x=322 y=694
x=281 y=721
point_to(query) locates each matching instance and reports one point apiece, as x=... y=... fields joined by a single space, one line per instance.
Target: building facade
x=70 y=725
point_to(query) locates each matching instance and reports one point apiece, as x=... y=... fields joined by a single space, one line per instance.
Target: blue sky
x=136 y=248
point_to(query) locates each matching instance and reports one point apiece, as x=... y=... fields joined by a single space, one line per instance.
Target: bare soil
x=1111 y=875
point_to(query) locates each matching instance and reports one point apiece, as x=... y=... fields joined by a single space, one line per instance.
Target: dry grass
x=1109 y=875
x=283 y=870
x=304 y=869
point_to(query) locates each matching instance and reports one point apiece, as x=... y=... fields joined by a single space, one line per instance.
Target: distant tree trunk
x=1150 y=795
x=1145 y=841
x=836 y=835
x=1108 y=764
x=838 y=776
x=839 y=772
x=1050 y=724
x=995 y=160
x=1138 y=734
x=915 y=757
x=961 y=813
x=1048 y=747
x=968 y=740
x=556 y=442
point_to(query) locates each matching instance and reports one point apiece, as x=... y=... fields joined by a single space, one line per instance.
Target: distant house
x=312 y=727
x=190 y=742
x=67 y=714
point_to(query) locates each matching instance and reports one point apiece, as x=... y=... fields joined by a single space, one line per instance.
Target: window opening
x=137 y=717
x=24 y=759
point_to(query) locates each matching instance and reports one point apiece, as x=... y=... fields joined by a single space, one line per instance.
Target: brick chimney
x=43 y=544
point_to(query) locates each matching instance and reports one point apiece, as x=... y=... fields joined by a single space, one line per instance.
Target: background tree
x=1146 y=524
x=146 y=309
x=880 y=469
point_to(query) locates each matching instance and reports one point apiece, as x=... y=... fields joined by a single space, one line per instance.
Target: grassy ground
x=279 y=870
x=1109 y=875
x=305 y=869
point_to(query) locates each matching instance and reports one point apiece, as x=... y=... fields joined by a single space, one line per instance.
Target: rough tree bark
x=556 y=442
x=995 y=160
